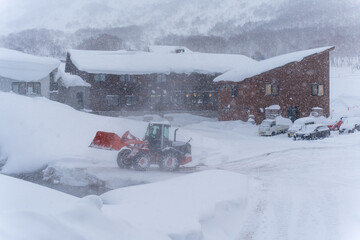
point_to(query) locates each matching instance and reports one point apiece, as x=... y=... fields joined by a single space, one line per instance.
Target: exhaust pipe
x=175 y=134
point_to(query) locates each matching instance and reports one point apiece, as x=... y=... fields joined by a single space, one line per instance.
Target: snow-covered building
x=71 y=90
x=164 y=78
x=296 y=82
x=26 y=74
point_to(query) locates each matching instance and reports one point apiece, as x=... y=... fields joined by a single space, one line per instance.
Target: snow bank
x=29 y=211
x=36 y=131
x=188 y=207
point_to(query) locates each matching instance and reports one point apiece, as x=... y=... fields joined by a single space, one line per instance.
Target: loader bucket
x=107 y=140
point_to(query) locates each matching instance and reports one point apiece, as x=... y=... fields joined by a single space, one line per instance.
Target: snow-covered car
x=350 y=124
x=299 y=124
x=312 y=131
x=270 y=127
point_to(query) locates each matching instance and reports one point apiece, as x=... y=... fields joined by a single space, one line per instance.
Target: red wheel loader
x=155 y=148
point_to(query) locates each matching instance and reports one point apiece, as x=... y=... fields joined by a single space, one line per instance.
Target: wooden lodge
x=163 y=79
x=176 y=79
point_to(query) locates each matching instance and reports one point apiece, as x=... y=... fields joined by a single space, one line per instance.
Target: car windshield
x=266 y=123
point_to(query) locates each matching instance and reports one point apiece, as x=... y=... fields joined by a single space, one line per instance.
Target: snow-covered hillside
x=184 y=17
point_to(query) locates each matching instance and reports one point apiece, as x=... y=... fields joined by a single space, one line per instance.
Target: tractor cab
x=157 y=134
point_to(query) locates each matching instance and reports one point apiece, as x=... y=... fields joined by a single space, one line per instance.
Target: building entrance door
x=293 y=113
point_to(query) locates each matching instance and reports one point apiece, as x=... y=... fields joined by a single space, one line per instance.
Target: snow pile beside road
x=29 y=211
x=204 y=205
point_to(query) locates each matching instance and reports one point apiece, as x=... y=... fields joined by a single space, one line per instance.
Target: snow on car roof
x=246 y=71
x=139 y=62
x=25 y=67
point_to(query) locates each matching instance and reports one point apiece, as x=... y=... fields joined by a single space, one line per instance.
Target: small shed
x=71 y=90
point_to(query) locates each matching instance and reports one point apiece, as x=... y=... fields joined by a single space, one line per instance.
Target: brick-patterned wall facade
x=294 y=82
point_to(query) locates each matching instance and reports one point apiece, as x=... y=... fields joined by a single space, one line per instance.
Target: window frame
x=272 y=86
x=130 y=100
x=125 y=78
x=112 y=100
x=161 y=78
x=316 y=86
x=102 y=77
x=234 y=91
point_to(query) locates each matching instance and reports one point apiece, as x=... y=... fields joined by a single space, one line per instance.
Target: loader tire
x=122 y=159
x=142 y=161
x=169 y=162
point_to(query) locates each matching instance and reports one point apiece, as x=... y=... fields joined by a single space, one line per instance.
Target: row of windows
x=272 y=89
x=26 y=88
x=160 y=78
x=114 y=100
x=162 y=98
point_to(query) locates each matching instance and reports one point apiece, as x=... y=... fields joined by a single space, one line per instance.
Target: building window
x=100 y=78
x=317 y=89
x=33 y=88
x=234 y=91
x=125 y=78
x=54 y=86
x=112 y=100
x=161 y=78
x=271 y=89
x=224 y=86
x=19 y=87
x=130 y=100
x=80 y=99
x=23 y=88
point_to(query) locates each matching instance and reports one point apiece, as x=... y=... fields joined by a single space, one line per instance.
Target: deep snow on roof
x=25 y=67
x=168 y=49
x=137 y=62
x=246 y=71
x=68 y=80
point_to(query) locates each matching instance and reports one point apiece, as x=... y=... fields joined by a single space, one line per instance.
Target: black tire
x=142 y=161
x=169 y=162
x=122 y=159
x=273 y=134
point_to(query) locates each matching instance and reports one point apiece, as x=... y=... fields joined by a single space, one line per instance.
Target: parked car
x=312 y=131
x=299 y=124
x=350 y=124
x=271 y=127
x=336 y=125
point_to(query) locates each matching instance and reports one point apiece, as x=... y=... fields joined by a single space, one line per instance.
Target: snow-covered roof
x=273 y=107
x=246 y=71
x=137 y=62
x=168 y=49
x=25 y=67
x=68 y=80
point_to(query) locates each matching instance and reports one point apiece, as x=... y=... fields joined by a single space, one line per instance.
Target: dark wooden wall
x=152 y=95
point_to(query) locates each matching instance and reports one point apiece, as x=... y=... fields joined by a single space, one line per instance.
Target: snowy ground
x=253 y=187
